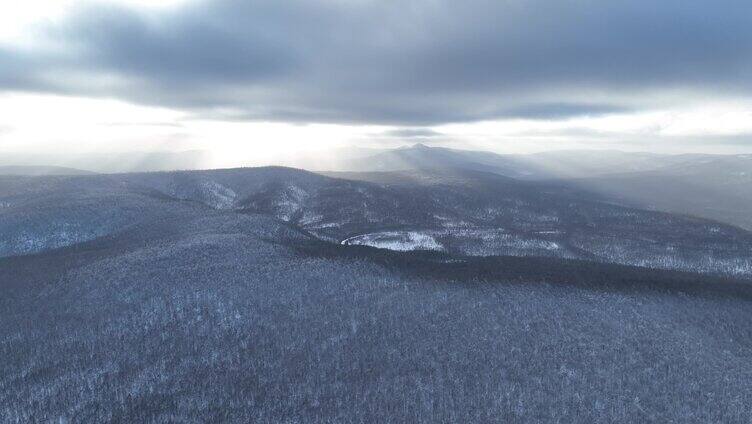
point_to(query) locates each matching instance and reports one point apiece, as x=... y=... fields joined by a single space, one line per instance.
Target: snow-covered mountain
x=240 y=295
x=455 y=211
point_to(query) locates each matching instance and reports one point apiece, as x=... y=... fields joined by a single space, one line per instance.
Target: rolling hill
x=716 y=187
x=534 y=166
x=460 y=212
x=41 y=170
x=229 y=296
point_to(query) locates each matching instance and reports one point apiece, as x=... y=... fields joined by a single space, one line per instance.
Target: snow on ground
x=30 y=242
x=217 y=195
x=448 y=222
x=290 y=201
x=325 y=225
x=396 y=240
x=473 y=242
x=496 y=241
x=310 y=219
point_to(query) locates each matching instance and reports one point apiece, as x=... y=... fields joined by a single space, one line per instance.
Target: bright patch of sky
x=19 y=19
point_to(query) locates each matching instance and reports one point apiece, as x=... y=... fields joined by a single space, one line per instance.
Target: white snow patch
x=290 y=201
x=396 y=240
x=310 y=218
x=218 y=196
x=326 y=225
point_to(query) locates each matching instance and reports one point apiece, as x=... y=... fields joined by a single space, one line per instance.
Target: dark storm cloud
x=408 y=63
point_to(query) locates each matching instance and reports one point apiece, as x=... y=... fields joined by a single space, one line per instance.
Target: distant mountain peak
x=416 y=146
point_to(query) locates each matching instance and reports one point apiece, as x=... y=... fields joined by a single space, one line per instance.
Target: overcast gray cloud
x=421 y=62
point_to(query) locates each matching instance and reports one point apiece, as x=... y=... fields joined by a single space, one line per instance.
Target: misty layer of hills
x=534 y=166
x=62 y=163
x=450 y=294
x=717 y=187
x=41 y=170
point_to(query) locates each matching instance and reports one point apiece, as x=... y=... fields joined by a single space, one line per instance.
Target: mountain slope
x=216 y=316
x=718 y=188
x=458 y=212
x=213 y=296
x=128 y=161
x=421 y=156
x=41 y=170
x=535 y=166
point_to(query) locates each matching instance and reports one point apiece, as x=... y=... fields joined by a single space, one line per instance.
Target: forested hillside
x=208 y=297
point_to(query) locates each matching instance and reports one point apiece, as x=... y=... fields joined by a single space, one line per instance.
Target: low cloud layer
x=423 y=62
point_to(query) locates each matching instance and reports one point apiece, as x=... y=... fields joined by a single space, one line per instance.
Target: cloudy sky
x=258 y=78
